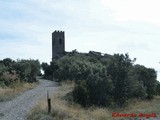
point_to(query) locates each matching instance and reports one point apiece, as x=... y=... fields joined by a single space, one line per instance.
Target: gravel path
x=17 y=108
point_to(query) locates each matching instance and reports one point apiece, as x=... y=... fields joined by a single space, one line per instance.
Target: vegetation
x=64 y=110
x=110 y=81
x=7 y=93
x=16 y=76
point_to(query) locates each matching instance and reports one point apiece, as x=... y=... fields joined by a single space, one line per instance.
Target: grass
x=7 y=93
x=63 y=110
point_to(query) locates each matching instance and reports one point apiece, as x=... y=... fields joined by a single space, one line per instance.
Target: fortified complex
x=58 y=47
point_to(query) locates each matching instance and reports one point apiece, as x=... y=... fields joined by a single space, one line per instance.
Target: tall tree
x=118 y=69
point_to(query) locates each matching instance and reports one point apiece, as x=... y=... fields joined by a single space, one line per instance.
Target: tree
x=81 y=93
x=23 y=68
x=118 y=69
x=7 y=62
x=27 y=69
x=100 y=89
x=104 y=81
x=148 y=77
x=44 y=65
x=35 y=69
x=158 y=88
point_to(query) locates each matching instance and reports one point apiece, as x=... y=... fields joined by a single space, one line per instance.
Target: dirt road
x=17 y=108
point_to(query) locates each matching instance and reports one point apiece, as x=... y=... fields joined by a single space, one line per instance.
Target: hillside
x=116 y=78
x=96 y=87
x=65 y=110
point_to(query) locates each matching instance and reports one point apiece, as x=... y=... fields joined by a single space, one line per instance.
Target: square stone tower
x=58 y=44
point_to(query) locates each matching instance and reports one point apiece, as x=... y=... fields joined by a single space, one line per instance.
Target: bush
x=12 y=72
x=100 y=89
x=81 y=93
x=104 y=81
x=8 y=79
x=27 y=69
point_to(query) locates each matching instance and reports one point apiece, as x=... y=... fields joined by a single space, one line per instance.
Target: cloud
x=90 y=44
x=25 y=50
x=135 y=10
x=108 y=26
x=133 y=46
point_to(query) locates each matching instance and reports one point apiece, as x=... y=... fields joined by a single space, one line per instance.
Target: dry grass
x=62 y=110
x=8 y=93
x=5 y=93
x=145 y=106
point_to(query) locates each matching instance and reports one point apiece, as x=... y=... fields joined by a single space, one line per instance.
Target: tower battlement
x=59 y=31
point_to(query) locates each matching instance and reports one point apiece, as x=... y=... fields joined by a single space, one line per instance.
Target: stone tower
x=58 y=44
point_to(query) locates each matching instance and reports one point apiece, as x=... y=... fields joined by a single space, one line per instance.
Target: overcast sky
x=107 y=26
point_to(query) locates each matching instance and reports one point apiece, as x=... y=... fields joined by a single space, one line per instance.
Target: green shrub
x=12 y=72
x=80 y=93
x=9 y=78
x=104 y=81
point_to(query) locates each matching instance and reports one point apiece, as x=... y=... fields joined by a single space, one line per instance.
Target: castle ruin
x=58 y=47
x=58 y=44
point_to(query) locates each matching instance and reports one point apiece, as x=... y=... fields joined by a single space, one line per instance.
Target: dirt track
x=17 y=108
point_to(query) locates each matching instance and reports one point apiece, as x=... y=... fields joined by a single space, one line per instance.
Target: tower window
x=60 y=41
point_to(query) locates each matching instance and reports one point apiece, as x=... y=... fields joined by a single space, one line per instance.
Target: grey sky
x=107 y=26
